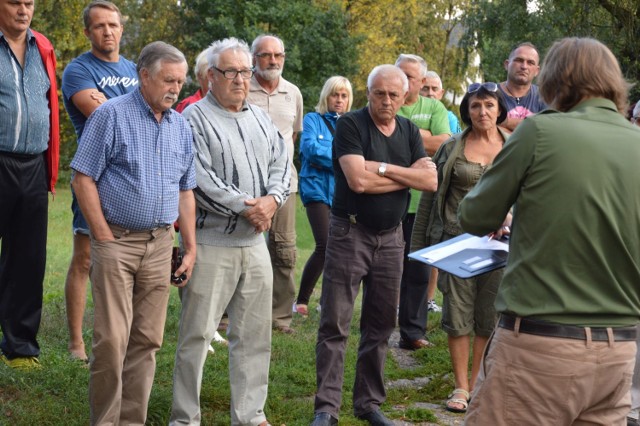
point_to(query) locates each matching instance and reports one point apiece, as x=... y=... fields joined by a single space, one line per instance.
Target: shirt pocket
x=176 y=166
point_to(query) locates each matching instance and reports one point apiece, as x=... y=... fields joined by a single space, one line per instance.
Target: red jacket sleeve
x=53 y=151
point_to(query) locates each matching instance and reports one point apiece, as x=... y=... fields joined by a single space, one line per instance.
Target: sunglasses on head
x=489 y=87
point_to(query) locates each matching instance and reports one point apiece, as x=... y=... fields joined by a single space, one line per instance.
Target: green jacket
x=428 y=228
x=574 y=178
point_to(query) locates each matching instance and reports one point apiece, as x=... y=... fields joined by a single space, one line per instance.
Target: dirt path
x=405 y=360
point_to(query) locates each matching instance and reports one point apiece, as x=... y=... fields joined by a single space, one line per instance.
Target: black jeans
x=357 y=254
x=23 y=230
x=414 y=312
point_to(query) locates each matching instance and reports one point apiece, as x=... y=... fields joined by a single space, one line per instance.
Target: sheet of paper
x=469 y=243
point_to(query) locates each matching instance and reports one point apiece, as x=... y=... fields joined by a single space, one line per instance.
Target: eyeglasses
x=489 y=87
x=268 y=55
x=232 y=74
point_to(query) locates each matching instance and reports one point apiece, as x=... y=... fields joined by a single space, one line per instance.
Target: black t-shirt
x=356 y=133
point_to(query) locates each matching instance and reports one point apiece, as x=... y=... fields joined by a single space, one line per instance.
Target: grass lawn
x=58 y=394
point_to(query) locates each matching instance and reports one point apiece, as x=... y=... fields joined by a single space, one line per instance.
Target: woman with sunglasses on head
x=467 y=303
x=316 y=176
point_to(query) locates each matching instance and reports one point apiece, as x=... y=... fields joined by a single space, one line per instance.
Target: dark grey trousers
x=413 y=314
x=357 y=254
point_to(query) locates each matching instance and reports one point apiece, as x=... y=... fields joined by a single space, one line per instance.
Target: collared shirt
x=139 y=165
x=284 y=106
x=24 y=106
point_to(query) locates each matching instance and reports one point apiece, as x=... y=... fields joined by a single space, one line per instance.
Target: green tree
x=426 y=28
x=494 y=27
x=147 y=21
x=61 y=22
x=317 y=42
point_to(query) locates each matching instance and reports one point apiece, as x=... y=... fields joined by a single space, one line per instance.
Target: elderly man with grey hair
x=282 y=100
x=134 y=177
x=430 y=116
x=242 y=173
x=377 y=157
x=200 y=72
x=433 y=89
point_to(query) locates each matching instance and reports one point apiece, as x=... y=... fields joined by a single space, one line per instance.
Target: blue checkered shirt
x=139 y=165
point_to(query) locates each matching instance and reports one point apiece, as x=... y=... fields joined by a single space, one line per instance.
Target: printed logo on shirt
x=519 y=112
x=419 y=117
x=115 y=81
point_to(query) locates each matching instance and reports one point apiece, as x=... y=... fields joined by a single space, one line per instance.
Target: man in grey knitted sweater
x=243 y=175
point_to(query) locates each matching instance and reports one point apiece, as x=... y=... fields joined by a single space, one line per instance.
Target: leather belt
x=543 y=328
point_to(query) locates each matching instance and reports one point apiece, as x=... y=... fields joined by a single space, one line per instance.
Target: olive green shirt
x=575 y=242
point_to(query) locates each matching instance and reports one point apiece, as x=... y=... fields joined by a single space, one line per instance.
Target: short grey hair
x=434 y=75
x=387 y=70
x=202 y=64
x=231 y=43
x=407 y=57
x=153 y=54
x=258 y=40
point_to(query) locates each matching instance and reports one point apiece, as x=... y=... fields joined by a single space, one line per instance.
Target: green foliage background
x=462 y=40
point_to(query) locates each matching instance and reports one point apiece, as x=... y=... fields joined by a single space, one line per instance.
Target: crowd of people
x=552 y=337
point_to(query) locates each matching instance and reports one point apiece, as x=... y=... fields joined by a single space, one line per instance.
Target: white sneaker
x=211 y=350
x=433 y=307
x=219 y=339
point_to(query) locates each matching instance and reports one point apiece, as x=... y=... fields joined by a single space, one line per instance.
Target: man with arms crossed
x=134 y=178
x=242 y=171
x=430 y=116
x=29 y=145
x=377 y=157
x=519 y=92
x=88 y=81
x=283 y=102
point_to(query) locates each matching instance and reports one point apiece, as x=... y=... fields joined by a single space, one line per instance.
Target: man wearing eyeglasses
x=242 y=174
x=283 y=102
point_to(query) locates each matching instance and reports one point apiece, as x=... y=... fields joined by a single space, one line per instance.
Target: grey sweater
x=238 y=156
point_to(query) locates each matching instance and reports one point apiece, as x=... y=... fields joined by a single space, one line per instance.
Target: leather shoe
x=324 y=419
x=413 y=345
x=376 y=418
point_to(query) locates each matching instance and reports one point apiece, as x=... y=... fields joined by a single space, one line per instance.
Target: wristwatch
x=382 y=169
x=278 y=199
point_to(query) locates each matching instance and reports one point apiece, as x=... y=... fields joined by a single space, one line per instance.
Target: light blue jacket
x=316 y=182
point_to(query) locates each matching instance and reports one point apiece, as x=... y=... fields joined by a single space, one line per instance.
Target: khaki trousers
x=130 y=288
x=282 y=247
x=535 y=380
x=239 y=280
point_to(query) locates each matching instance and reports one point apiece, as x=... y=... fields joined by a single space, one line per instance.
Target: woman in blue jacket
x=316 y=176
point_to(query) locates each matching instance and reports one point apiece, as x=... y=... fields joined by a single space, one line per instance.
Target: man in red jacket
x=29 y=142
